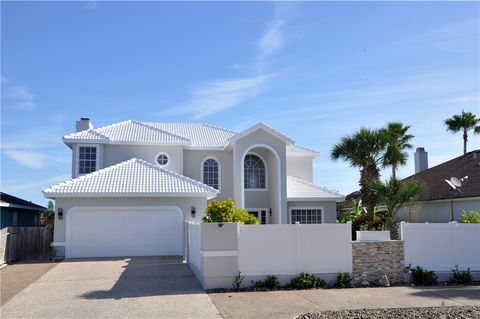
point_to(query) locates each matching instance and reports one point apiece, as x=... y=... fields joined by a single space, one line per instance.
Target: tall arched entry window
x=254 y=172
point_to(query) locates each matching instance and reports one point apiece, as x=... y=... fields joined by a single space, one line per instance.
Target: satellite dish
x=452 y=185
x=456 y=181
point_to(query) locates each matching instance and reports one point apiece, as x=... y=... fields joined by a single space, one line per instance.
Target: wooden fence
x=26 y=243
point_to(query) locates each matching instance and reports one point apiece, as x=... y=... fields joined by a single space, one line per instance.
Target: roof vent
x=84 y=124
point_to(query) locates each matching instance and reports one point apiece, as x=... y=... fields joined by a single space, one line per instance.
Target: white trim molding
x=219 y=253
x=219 y=171
x=77 y=159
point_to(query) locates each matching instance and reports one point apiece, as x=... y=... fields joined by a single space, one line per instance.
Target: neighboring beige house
x=136 y=183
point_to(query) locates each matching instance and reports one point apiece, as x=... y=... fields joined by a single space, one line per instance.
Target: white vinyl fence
x=440 y=247
x=291 y=249
x=194 y=238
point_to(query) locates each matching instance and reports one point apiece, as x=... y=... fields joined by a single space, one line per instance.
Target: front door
x=260 y=213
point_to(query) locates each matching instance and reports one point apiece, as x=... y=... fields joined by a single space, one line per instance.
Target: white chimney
x=84 y=124
x=421 y=160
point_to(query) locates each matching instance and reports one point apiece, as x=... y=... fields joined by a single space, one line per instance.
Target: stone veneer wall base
x=371 y=260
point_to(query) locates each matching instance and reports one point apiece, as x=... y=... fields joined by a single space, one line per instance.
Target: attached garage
x=124 y=231
x=130 y=209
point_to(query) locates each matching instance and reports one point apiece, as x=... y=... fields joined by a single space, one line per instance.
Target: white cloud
x=35 y=185
x=17 y=96
x=31 y=159
x=216 y=96
x=272 y=40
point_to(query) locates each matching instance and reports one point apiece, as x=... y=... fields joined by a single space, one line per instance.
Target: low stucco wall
x=66 y=204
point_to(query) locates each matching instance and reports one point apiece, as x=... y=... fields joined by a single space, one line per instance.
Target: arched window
x=254 y=172
x=211 y=173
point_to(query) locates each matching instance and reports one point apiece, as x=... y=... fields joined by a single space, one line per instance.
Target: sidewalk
x=288 y=304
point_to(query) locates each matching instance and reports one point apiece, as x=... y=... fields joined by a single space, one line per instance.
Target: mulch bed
x=397 y=313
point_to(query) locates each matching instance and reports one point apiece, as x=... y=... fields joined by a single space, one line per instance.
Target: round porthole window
x=162 y=159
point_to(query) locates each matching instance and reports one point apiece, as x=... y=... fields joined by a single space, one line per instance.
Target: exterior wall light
x=60 y=213
x=193 y=211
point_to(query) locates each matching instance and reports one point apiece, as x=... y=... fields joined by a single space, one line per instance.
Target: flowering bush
x=226 y=211
x=471 y=218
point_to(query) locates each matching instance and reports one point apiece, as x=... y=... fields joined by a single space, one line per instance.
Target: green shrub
x=423 y=277
x=461 y=277
x=270 y=282
x=344 y=280
x=226 y=211
x=471 y=218
x=306 y=281
x=237 y=281
x=361 y=222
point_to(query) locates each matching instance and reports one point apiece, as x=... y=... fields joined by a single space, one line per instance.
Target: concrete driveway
x=291 y=303
x=137 y=287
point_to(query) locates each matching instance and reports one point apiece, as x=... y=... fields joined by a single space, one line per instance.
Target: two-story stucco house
x=134 y=184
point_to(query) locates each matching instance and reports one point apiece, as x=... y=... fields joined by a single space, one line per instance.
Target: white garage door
x=123 y=231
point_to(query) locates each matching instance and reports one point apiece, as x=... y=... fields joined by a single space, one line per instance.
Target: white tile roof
x=194 y=135
x=297 y=150
x=129 y=132
x=298 y=189
x=132 y=178
x=200 y=135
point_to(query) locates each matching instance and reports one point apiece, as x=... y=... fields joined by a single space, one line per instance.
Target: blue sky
x=315 y=71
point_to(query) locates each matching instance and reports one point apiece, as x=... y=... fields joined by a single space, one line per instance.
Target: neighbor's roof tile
x=135 y=178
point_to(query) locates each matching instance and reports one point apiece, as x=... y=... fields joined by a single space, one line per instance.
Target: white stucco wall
x=300 y=167
x=192 y=167
x=437 y=211
x=114 y=154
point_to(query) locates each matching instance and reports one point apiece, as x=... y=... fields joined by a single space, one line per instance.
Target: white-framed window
x=254 y=175
x=307 y=215
x=162 y=159
x=87 y=159
x=211 y=172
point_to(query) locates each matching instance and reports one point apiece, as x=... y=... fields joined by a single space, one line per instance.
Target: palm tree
x=365 y=150
x=394 y=193
x=464 y=122
x=398 y=142
x=47 y=218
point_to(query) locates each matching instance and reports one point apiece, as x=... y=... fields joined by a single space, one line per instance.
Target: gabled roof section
x=261 y=126
x=301 y=151
x=433 y=179
x=132 y=178
x=127 y=132
x=8 y=200
x=301 y=190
